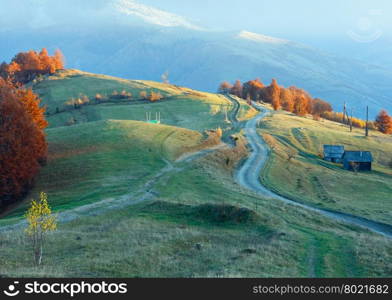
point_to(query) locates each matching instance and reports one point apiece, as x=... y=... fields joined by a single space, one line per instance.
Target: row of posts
x=350 y=119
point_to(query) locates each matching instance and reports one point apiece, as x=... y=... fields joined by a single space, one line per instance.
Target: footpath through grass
x=188 y=231
x=199 y=222
x=105 y=159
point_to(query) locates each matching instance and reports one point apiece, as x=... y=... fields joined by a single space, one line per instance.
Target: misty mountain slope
x=375 y=51
x=204 y=62
x=127 y=39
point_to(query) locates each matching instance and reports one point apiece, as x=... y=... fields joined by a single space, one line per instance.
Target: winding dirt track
x=248 y=177
x=144 y=193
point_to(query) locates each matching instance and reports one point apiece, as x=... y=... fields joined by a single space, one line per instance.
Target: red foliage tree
x=22 y=141
x=224 y=87
x=46 y=62
x=252 y=89
x=31 y=103
x=58 y=60
x=384 y=122
x=237 y=89
x=25 y=66
x=274 y=94
x=287 y=99
x=300 y=105
x=302 y=101
x=291 y=99
x=320 y=106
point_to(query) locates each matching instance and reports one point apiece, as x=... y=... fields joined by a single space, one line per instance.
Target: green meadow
x=129 y=207
x=308 y=178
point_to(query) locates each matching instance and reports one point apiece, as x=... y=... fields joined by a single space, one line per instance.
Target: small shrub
x=70 y=104
x=291 y=154
x=316 y=117
x=143 y=95
x=77 y=103
x=227 y=214
x=98 y=97
x=71 y=121
x=84 y=100
x=114 y=94
x=124 y=94
x=219 y=132
x=101 y=98
x=155 y=96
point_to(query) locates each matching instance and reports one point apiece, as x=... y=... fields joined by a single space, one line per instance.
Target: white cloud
x=260 y=38
x=152 y=15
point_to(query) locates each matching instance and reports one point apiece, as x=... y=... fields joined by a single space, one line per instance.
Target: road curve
x=144 y=193
x=248 y=177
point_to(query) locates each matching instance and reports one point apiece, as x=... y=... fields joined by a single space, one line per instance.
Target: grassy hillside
x=107 y=152
x=128 y=208
x=310 y=179
x=105 y=159
x=55 y=90
x=200 y=224
x=180 y=107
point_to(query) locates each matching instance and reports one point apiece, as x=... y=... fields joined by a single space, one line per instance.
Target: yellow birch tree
x=40 y=221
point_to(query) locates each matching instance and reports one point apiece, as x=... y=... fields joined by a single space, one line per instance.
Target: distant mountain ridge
x=152 y=15
x=127 y=39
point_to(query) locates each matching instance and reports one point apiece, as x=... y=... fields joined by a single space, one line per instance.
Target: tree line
x=299 y=102
x=384 y=122
x=291 y=99
x=23 y=146
x=26 y=66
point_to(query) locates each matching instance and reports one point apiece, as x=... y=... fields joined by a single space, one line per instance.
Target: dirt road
x=248 y=177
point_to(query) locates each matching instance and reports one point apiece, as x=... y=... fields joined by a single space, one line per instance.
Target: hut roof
x=334 y=151
x=358 y=156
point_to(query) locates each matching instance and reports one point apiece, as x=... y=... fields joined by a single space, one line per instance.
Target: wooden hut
x=333 y=153
x=357 y=160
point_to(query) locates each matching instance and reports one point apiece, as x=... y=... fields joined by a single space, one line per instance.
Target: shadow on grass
x=227 y=216
x=378 y=173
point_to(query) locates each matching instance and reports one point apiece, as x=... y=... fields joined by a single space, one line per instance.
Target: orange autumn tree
x=58 y=60
x=224 y=87
x=287 y=99
x=384 y=122
x=320 y=106
x=273 y=92
x=22 y=141
x=31 y=103
x=25 y=66
x=291 y=99
x=237 y=88
x=47 y=64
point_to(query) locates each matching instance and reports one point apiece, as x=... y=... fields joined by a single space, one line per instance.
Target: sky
x=286 y=18
x=280 y=18
x=335 y=26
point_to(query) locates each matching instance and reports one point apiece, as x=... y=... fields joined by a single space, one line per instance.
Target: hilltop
x=182 y=107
